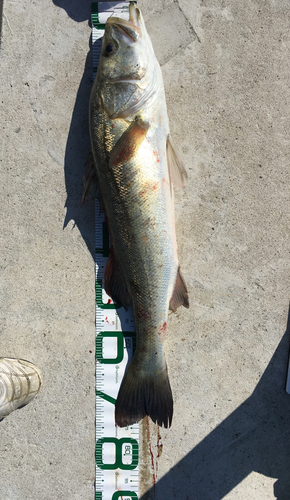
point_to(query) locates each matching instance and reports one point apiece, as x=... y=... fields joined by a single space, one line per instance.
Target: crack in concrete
x=176 y=54
x=191 y=29
x=176 y=2
x=1 y=15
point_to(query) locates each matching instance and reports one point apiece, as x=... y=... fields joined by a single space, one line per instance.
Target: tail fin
x=142 y=395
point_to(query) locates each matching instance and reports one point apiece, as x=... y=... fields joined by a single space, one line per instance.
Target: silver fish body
x=135 y=165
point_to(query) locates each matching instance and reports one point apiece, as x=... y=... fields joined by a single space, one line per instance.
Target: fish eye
x=110 y=49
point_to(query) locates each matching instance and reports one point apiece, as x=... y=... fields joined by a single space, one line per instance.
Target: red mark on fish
x=155 y=153
x=162 y=331
x=143 y=314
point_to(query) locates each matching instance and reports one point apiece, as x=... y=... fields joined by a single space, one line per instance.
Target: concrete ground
x=226 y=73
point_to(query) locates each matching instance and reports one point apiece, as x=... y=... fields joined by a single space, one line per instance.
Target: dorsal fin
x=90 y=179
x=177 y=172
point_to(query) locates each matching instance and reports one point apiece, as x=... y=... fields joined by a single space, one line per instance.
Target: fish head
x=128 y=75
x=126 y=48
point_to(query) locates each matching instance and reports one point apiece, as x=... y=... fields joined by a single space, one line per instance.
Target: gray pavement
x=226 y=73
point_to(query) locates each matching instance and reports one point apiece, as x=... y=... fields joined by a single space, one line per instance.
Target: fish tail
x=142 y=395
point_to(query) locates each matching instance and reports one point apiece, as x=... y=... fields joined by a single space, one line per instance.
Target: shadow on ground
x=78 y=141
x=255 y=437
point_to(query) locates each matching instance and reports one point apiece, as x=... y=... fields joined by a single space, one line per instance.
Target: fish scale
x=117 y=449
x=133 y=164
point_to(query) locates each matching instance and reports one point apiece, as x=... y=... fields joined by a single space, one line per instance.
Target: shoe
x=20 y=381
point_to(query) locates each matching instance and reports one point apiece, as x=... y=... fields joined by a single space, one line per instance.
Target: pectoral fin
x=129 y=143
x=177 y=172
x=180 y=294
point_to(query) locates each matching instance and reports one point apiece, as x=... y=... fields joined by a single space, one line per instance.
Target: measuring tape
x=117 y=449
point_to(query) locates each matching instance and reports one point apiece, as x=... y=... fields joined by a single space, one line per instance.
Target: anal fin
x=115 y=285
x=180 y=293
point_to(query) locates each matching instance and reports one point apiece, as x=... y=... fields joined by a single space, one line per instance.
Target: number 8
x=118 y=460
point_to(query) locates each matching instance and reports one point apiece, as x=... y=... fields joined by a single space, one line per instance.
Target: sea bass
x=134 y=166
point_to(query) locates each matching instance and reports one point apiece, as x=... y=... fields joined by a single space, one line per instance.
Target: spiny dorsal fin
x=90 y=179
x=180 y=294
x=177 y=172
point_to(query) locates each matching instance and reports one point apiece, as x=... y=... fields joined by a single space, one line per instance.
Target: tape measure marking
x=117 y=449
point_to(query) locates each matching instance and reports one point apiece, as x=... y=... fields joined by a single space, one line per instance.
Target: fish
x=132 y=168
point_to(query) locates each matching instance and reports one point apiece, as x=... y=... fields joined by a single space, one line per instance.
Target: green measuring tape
x=117 y=449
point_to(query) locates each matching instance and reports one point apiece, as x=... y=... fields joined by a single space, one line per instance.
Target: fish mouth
x=134 y=15
x=132 y=27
